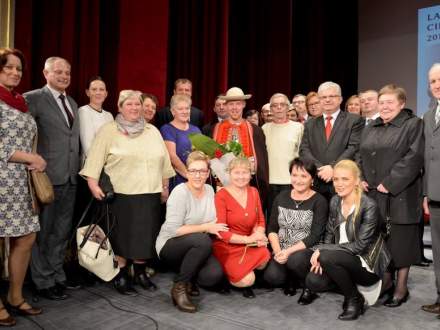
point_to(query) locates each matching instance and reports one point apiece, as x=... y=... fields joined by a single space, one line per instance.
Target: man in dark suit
x=220 y=114
x=331 y=137
x=431 y=189
x=164 y=115
x=56 y=115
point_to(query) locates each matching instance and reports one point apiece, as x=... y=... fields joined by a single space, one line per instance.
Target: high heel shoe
x=353 y=308
x=396 y=302
x=17 y=310
x=180 y=298
x=143 y=280
x=248 y=292
x=387 y=292
x=307 y=297
x=8 y=321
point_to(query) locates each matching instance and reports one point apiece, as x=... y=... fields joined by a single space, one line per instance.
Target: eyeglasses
x=194 y=172
x=278 y=105
x=313 y=104
x=298 y=102
x=324 y=97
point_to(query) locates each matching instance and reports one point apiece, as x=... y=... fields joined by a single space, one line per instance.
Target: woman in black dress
x=391 y=158
x=296 y=224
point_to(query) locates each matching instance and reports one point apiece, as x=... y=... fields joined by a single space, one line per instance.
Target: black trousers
x=274 y=190
x=344 y=269
x=293 y=272
x=190 y=255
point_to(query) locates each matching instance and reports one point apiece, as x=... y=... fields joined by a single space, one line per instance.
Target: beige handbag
x=40 y=187
x=94 y=250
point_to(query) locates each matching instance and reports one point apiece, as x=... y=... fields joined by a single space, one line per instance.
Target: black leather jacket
x=364 y=238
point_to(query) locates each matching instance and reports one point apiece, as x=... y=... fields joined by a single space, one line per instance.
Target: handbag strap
x=35 y=143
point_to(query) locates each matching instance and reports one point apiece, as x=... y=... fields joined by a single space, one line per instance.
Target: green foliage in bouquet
x=212 y=148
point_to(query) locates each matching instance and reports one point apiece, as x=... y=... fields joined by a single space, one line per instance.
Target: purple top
x=183 y=146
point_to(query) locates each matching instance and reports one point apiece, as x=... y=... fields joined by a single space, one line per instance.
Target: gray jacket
x=431 y=188
x=57 y=143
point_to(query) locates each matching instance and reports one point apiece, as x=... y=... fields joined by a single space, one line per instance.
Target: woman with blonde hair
x=353 y=252
x=242 y=249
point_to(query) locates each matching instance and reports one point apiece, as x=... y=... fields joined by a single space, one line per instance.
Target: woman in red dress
x=242 y=249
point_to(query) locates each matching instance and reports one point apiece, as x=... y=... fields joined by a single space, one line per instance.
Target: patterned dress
x=17 y=131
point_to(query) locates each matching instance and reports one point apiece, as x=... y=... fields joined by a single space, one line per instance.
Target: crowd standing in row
x=342 y=191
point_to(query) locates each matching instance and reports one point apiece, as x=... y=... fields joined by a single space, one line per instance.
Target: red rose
x=218 y=153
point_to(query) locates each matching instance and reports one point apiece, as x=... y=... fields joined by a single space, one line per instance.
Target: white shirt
x=373 y=117
x=56 y=96
x=90 y=121
x=334 y=115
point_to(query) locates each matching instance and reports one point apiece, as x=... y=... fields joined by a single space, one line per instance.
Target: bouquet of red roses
x=220 y=155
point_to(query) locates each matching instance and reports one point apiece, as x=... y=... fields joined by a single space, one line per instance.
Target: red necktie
x=328 y=126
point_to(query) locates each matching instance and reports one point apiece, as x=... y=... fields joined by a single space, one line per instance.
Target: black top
x=296 y=221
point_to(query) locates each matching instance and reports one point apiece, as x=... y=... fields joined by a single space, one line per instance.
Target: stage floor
x=101 y=307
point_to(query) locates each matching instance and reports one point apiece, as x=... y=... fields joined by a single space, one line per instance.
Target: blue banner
x=428 y=53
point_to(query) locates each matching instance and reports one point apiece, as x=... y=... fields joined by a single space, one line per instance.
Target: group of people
x=320 y=199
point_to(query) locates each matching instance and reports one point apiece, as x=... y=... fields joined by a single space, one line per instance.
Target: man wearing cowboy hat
x=249 y=135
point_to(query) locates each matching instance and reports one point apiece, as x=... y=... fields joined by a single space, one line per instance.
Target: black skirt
x=137 y=224
x=404 y=245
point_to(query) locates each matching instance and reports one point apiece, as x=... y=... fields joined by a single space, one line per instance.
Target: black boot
x=142 y=279
x=353 y=307
x=307 y=297
x=122 y=283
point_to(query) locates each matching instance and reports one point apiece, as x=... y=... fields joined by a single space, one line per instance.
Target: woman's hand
x=95 y=189
x=164 y=194
x=281 y=257
x=37 y=163
x=259 y=238
x=215 y=228
x=316 y=266
x=425 y=205
x=364 y=185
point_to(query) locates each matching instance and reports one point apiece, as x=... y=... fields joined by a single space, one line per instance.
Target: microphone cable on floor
x=156 y=324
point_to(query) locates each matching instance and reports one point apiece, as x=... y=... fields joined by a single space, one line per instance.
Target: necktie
x=328 y=126
x=66 y=110
x=368 y=121
x=437 y=115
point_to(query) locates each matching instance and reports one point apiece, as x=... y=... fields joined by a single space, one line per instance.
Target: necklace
x=297 y=205
x=97 y=110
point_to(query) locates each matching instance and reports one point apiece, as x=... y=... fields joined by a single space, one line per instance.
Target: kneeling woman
x=242 y=249
x=353 y=252
x=297 y=223
x=184 y=242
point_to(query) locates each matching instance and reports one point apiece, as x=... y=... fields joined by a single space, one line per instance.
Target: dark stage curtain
x=262 y=46
x=198 y=48
x=292 y=46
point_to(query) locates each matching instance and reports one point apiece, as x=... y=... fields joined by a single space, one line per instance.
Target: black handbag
x=106 y=186
x=387 y=224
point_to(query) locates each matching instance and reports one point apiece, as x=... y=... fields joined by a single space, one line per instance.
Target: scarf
x=129 y=128
x=13 y=99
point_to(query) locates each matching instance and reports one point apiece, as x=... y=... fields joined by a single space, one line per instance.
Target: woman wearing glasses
x=184 y=242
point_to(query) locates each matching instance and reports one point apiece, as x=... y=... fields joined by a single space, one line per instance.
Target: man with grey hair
x=431 y=188
x=299 y=103
x=56 y=115
x=331 y=137
x=369 y=101
x=283 y=138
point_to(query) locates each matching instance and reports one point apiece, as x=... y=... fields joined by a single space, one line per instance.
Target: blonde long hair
x=351 y=166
